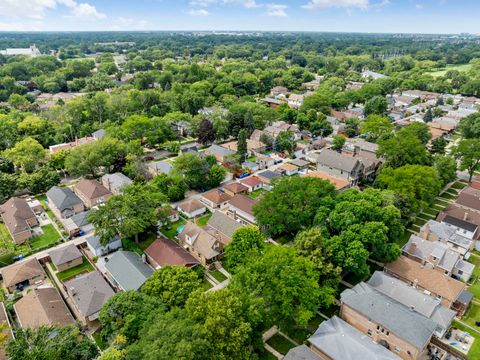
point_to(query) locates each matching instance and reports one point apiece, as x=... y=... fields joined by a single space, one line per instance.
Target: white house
x=97 y=249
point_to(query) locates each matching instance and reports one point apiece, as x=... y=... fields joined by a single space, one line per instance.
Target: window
x=369 y=332
x=460 y=272
x=388 y=333
x=397 y=349
x=446 y=272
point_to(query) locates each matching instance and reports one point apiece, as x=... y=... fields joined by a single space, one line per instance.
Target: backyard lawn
x=203 y=220
x=474 y=352
x=77 y=270
x=255 y=194
x=472 y=315
x=49 y=237
x=402 y=240
x=171 y=230
x=280 y=343
x=218 y=275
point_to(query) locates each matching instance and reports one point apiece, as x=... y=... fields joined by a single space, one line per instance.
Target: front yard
x=255 y=194
x=85 y=267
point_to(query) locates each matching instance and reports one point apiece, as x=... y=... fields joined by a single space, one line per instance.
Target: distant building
x=31 y=51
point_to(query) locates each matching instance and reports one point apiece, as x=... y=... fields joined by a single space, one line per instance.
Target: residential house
x=115 y=182
x=311 y=85
x=35 y=205
x=413 y=299
x=251 y=167
x=302 y=352
x=343 y=116
x=267 y=177
x=215 y=199
x=97 y=249
x=336 y=339
x=433 y=283
x=302 y=165
x=461 y=218
x=389 y=323
x=253 y=146
x=77 y=224
x=99 y=134
x=63 y=202
x=469 y=198
x=127 y=270
x=202 y=245
x=71 y=145
x=21 y=274
x=159 y=167
x=42 y=306
x=235 y=188
x=252 y=183
x=339 y=183
x=367 y=74
x=91 y=192
x=19 y=219
x=279 y=90
x=222 y=227
x=256 y=135
x=240 y=208
x=264 y=162
x=66 y=257
x=277 y=127
x=88 y=293
x=295 y=100
x=191 y=208
x=165 y=252
x=31 y=51
x=451 y=233
x=219 y=152
x=273 y=103
x=343 y=166
x=287 y=169
x=437 y=255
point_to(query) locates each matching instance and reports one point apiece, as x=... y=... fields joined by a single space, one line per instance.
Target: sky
x=381 y=16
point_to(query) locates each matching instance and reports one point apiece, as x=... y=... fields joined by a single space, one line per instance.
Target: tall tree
x=246 y=241
x=242 y=149
x=26 y=154
x=468 y=152
x=376 y=127
x=206 y=133
x=403 y=150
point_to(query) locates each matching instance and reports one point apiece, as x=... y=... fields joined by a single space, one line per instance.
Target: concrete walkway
x=220 y=286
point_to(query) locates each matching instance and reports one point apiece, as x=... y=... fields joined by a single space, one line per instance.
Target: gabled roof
x=301 y=352
x=128 y=269
x=445 y=231
x=91 y=189
x=251 y=181
x=116 y=180
x=201 y=240
x=222 y=223
x=270 y=175
x=42 y=306
x=469 y=197
x=80 y=219
x=390 y=314
x=338 y=182
x=341 y=341
x=219 y=150
x=460 y=223
x=64 y=254
x=161 y=166
x=243 y=203
x=335 y=160
x=167 y=252
x=216 y=196
x=94 y=241
x=235 y=187
x=22 y=271
x=89 y=292
x=63 y=197
x=15 y=213
x=190 y=206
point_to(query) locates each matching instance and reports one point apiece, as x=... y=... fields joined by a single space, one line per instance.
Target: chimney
x=144 y=258
x=413 y=248
x=465 y=216
x=424 y=231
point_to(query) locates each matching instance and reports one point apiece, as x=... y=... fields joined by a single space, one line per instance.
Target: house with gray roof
x=337 y=340
x=66 y=257
x=88 y=293
x=414 y=299
x=301 y=352
x=219 y=152
x=368 y=74
x=63 y=202
x=97 y=249
x=438 y=256
x=452 y=232
x=159 y=167
x=222 y=226
x=115 y=182
x=127 y=270
x=77 y=223
x=99 y=134
x=337 y=164
x=388 y=322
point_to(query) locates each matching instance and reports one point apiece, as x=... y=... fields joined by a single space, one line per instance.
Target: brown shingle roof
x=15 y=213
x=429 y=279
x=338 y=182
x=236 y=188
x=251 y=181
x=243 y=203
x=64 y=254
x=167 y=252
x=469 y=197
x=203 y=242
x=91 y=189
x=190 y=205
x=216 y=196
x=42 y=306
x=20 y=272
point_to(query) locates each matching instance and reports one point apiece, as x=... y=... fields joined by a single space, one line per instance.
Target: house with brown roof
x=164 y=252
x=287 y=169
x=19 y=219
x=192 y=208
x=91 y=192
x=339 y=183
x=42 y=306
x=66 y=257
x=215 y=199
x=433 y=283
x=240 y=208
x=235 y=188
x=19 y=275
x=202 y=245
x=469 y=198
x=252 y=183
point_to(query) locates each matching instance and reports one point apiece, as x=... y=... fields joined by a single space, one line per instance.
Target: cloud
x=418 y=6
x=276 y=10
x=36 y=9
x=198 y=12
x=122 y=23
x=325 y=4
x=244 y=3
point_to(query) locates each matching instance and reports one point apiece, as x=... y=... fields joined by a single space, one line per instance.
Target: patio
x=460 y=340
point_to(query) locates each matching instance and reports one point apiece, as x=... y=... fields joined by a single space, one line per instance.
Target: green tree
x=292 y=204
x=428 y=117
x=470 y=126
x=172 y=186
x=39 y=181
x=376 y=106
x=26 y=154
x=242 y=148
x=172 y=285
x=351 y=127
x=246 y=241
x=446 y=167
x=420 y=130
x=8 y=185
x=468 y=152
x=199 y=173
x=376 y=127
x=285 y=141
x=338 y=142
x=438 y=145
x=403 y=150
x=206 y=134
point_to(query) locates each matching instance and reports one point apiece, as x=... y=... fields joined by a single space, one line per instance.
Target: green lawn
x=102 y=345
x=458 y=185
x=447 y=196
x=49 y=238
x=419 y=222
x=170 y=231
x=430 y=213
x=77 y=270
x=146 y=240
x=280 y=343
x=472 y=315
x=267 y=356
x=475 y=287
x=402 y=240
x=218 y=275
x=442 y=72
x=255 y=194
x=474 y=352
x=206 y=285
x=203 y=220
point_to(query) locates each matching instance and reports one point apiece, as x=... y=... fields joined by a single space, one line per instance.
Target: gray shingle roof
x=335 y=160
x=116 y=181
x=161 y=167
x=301 y=352
x=223 y=223
x=81 y=219
x=219 y=150
x=64 y=254
x=341 y=341
x=448 y=232
x=94 y=241
x=390 y=314
x=128 y=269
x=63 y=197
